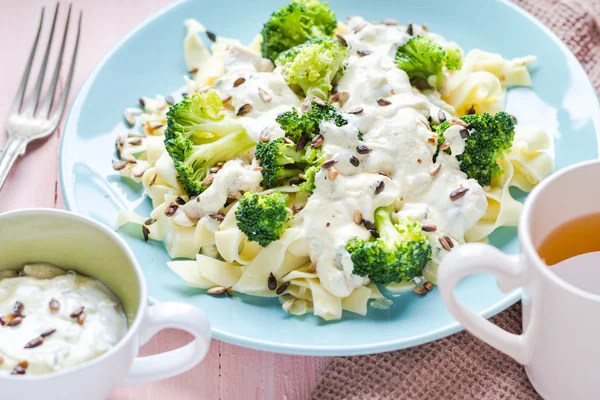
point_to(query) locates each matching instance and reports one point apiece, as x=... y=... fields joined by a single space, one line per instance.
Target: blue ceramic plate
x=150 y=61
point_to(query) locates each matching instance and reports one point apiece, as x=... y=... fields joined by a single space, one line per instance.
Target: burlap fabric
x=461 y=366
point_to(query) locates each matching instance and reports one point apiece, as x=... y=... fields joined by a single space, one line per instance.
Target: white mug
x=560 y=344
x=85 y=246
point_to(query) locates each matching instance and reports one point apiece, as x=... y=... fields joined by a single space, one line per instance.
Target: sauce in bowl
x=52 y=320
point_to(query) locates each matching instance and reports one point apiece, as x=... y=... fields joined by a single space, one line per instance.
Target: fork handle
x=13 y=148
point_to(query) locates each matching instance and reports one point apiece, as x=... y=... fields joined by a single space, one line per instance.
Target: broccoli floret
x=198 y=136
x=282 y=163
x=294 y=24
x=313 y=66
x=308 y=185
x=490 y=136
x=421 y=58
x=399 y=254
x=296 y=125
x=262 y=217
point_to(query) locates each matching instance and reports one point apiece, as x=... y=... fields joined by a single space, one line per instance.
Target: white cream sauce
x=72 y=343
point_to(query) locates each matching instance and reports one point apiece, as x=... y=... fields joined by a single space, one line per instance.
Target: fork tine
x=32 y=103
x=18 y=101
x=65 y=94
x=45 y=107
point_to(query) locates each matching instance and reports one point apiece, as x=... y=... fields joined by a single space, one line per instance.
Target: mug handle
x=165 y=365
x=475 y=258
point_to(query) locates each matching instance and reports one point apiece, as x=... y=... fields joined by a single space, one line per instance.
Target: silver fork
x=29 y=122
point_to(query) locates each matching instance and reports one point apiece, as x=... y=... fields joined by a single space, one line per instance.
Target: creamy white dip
x=52 y=332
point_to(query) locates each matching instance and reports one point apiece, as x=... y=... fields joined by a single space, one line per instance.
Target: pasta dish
x=329 y=159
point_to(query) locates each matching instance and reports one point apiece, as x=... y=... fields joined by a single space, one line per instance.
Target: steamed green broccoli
x=198 y=136
x=490 y=136
x=294 y=24
x=399 y=254
x=283 y=164
x=262 y=217
x=421 y=58
x=296 y=125
x=314 y=65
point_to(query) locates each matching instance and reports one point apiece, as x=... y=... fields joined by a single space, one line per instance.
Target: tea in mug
x=578 y=236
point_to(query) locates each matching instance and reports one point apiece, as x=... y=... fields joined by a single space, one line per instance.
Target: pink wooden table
x=228 y=372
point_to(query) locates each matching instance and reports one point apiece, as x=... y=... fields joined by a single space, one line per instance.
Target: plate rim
x=317 y=350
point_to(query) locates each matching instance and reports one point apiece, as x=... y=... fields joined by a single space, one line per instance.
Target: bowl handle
x=474 y=258
x=165 y=365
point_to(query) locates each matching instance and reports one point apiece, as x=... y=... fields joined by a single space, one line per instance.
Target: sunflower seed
x=319 y=102
x=149 y=221
x=130 y=159
x=472 y=110
x=354 y=161
x=132 y=135
x=431 y=140
x=35 y=342
x=155 y=125
x=282 y=288
x=409 y=29
x=287 y=306
x=135 y=141
x=383 y=102
x=145 y=232
x=458 y=193
x=429 y=228
x=288 y=140
x=208 y=180
x=119 y=150
x=81 y=318
x=18 y=308
x=441 y=116
x=119 y=165
x=464 y=133
x=54 y=305
x=217 y=290
x=130 y=114
x=450 y=242
x=211 y=36
x=245 y=109
x=444 y=243
x=272 y=282
x=171 y=209
x=428 y=286
x=120 y=140
x=265 y=135
x=312 y=268
x=48 y=333
x=341 y=97
x=358 y=218
x=20 y=368
x=77 y=312
x=328 y=164
x=170 y=100
x=420 y=290
x=364 y=53
x=433 y=171
x=217 y=216
x=333 y=174
x=214 y=169
x=142 y=102
x=13 y=320
x=390 y=21
x=239 y=81
x=179 y=200
x=380 y=186
x=317 y=141
x=264 y=95
x=374 y=233
x=370 y=226
x=356 y=110
x=306 y=105
x=138 y=172
x=445 y=146
x=193 y=71
x=427 y=126
x=152 y=180
x=302 y=142
x=363 y=149
x=360 y=28
x=458 y=121
x=342 y=40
